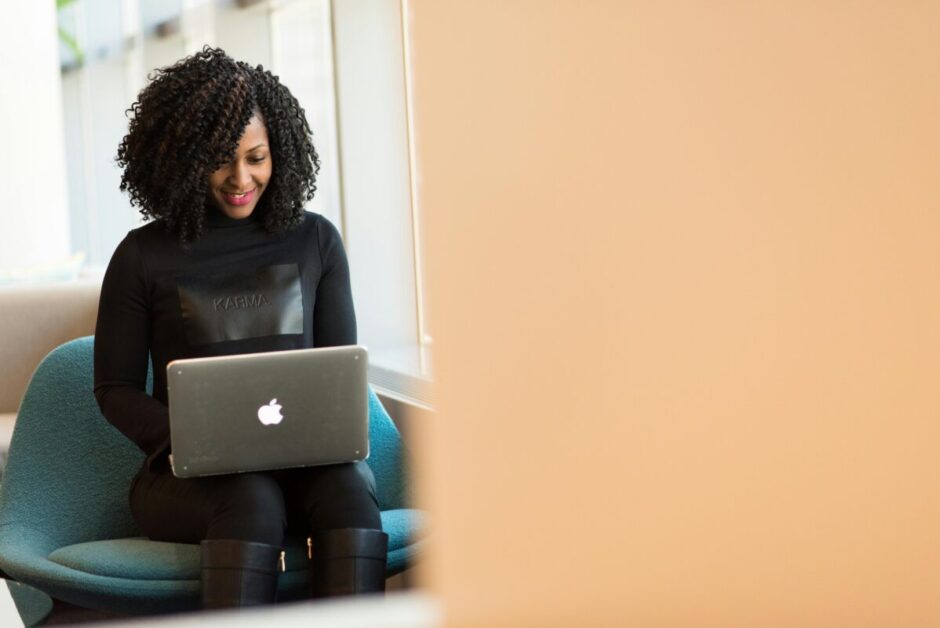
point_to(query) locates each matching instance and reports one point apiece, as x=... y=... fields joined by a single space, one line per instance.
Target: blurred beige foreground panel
x=684 y=294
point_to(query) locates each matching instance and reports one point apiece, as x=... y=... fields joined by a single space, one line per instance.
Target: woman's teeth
x=242 y=198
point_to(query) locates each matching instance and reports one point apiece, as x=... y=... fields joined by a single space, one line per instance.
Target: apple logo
x=271 y=413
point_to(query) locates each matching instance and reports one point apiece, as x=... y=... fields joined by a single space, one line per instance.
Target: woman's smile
x=239 y=198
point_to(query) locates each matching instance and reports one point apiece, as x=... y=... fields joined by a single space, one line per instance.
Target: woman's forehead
x=255 y=133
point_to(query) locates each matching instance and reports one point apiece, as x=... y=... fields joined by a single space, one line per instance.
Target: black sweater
x=238 y=289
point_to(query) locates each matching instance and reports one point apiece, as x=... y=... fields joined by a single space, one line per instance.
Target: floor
x=402 y=609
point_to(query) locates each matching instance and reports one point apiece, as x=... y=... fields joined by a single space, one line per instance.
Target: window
x=378 y=205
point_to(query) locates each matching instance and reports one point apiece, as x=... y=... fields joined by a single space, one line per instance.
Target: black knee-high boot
x=347 y=561
x=238 y=573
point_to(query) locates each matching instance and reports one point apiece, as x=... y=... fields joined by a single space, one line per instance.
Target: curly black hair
x=187 y=123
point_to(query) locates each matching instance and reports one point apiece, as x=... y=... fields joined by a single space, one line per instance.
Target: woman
x=220 y=155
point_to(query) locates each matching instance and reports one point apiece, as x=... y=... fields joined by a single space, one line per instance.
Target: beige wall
x=684 y=285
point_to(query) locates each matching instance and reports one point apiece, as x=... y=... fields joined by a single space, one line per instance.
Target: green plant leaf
x=69 y=41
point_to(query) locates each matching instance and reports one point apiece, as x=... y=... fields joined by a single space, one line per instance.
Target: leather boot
x=347 y=561
x=238 y=573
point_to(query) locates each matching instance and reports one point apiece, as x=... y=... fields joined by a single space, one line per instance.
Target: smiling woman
x=210 y=120
x=220 y=154
x=346 y=61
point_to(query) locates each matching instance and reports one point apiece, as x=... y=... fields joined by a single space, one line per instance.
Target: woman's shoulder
x=313 y=219
x=141 y=243
x=318 y=229
x=149 y=231
x=322 y=239
x=319 y=225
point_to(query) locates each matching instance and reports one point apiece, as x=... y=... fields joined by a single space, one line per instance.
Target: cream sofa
x=34 y=319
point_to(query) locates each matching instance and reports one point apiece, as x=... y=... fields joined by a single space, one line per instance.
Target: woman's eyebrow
x=256 y=147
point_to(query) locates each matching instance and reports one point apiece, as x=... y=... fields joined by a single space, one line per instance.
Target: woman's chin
x=237 y=212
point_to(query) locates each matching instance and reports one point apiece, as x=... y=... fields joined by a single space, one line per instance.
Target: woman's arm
x=122 y=338
x=334 y=318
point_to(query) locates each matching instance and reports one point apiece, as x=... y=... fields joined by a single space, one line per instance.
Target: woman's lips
x=239 y=199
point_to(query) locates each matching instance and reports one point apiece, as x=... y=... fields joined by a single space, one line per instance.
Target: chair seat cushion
x=134 y=558
x=404 y=526
x=142 y=559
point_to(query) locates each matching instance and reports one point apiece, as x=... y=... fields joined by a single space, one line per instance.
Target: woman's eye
x=255 y=160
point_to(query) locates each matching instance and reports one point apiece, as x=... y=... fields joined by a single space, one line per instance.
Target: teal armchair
x=65 y=521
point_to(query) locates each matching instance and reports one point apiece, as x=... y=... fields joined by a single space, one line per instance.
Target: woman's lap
x=254 y=506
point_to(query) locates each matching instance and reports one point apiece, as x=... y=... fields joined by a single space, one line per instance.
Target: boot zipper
x=283 y=561
x=309 y=548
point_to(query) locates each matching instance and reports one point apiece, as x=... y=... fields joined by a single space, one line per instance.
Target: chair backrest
x=69 y=470
x=385 y=457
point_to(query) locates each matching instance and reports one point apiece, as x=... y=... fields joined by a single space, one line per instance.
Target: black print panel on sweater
x=235 y=306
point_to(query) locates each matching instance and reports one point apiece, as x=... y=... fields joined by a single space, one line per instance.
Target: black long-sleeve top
x=238 y=289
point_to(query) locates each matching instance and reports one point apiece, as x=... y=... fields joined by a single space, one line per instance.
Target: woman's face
x=237 y=186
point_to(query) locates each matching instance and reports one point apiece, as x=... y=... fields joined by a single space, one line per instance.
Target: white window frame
x=374 y=110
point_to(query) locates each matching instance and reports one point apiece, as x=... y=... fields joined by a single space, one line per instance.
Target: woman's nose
x=240 y=174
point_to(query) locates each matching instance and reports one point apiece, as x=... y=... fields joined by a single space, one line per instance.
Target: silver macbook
x=259 y=411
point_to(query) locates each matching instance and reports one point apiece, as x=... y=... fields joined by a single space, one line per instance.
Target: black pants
x=259 y=507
